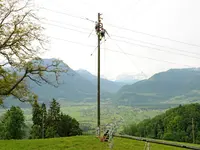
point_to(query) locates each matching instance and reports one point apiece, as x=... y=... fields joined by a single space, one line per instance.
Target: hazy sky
x=174 y=19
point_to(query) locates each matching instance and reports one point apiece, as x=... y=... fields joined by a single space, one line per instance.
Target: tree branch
x=16 y=84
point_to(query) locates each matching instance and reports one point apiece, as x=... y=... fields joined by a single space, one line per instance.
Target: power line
x=154 y=48
x=95 y=49
x=132 y=40
x=119 y=37
x=63 y=23
x=152 y=35
x=156 y=44
x=124 y=28
x=67 y=14
x=131 y=60
x=59 y=12
x=72 y=42
x=150 y=58
x=66 y=28
x=120 y=52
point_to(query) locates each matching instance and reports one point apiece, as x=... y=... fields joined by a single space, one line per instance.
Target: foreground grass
x=79 y=143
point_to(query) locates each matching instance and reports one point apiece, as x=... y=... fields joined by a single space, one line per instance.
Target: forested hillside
x=163 y=87
x=176 y=124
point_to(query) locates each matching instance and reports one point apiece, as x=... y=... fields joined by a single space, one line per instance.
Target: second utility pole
x=98 y=80
x=193 y=136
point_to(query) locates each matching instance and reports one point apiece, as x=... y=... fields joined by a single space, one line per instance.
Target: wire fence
x=159 y=142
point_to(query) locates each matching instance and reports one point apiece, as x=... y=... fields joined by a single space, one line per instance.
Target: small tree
x=68 y=126
x=37 y=120
x=39 y=117
x=44 y=120
x=37 y=113
x=13 y=124
x=53 y=116
x=54 y=110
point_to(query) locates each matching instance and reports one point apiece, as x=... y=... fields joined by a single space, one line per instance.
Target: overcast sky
x=177 y=20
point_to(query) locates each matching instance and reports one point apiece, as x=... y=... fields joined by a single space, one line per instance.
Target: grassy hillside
x=79 y=143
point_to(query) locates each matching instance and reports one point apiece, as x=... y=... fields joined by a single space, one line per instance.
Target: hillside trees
x=12 y=125
x=53 y=118
x=68 y=126
x=52 y=123
x=22 y=42
x=37 y=119
x=175 y=124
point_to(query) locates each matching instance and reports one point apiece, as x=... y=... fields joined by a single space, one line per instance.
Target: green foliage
x=53 y=116
x=36 y=131
x=12 y=124
x=37 y=114
x=68 y=126
x=44 y=119
x=175 y=124
x=130 y=129
x=50 y=132
x=52 y=124
x=37 y=118
x=54 y=112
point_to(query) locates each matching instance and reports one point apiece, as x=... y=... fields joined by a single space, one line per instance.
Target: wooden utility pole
x=193 y=131
x=42 y=124
x=99 y=69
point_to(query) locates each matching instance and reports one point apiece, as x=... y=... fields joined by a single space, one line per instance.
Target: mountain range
x=76 y=86
x=129 y=79
x=106 y=85
x=173 y=86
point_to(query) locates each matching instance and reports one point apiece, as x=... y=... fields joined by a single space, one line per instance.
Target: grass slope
x=78 y=143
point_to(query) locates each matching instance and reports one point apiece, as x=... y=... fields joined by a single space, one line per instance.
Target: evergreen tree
x=53 y=124
x=54 y=111
x=53 y=116
x=37 y=119
x=44 y=120
x=37 y=113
